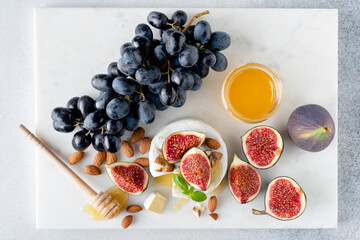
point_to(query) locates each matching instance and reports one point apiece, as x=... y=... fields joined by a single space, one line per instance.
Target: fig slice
x=176 y=144
x=129 y=177
x=262 y=146
x=244 y=181
x=195 y=167
x=284 y=199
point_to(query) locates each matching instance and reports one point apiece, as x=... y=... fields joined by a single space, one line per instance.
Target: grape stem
x=172 y=24
x=168 y=71
x=194 y=18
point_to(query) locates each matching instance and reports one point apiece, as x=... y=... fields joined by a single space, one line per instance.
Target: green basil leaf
x=198 y=196
x=191 y=190
x=185 y=192
x=181 y=183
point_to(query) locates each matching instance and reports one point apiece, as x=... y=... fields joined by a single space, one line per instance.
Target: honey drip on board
x=116 y=193
x=165 y=180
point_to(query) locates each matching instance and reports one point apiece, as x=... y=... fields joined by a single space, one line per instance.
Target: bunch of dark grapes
x=152 y=74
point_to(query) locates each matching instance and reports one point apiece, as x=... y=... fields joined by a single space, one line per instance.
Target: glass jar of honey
x=252 y=93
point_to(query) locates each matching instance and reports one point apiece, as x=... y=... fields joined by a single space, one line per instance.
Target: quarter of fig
x=311 y=127
x=196 y=169
x=284 y=199
x=244 y=181
x=262 y=146
x=129 y=177
x=176 y=144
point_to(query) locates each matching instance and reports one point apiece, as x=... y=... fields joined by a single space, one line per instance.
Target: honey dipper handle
x=38 y=143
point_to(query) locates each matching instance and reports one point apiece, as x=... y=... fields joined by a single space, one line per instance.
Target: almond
x=99 y=159
x=212 y=204
x=159 y=161
x=111 y=158
x=142 y=161
x=216 y=155
x=196 y=212
x=76 y=157
x=158 y=169
x=127 y=149
x=137 y=135
x=212 y=143
x=92 y=170
x=169 y=167
x=133 y=209
x=125 y=223
x=214 y=216
x=144 y=145
x=212 y=162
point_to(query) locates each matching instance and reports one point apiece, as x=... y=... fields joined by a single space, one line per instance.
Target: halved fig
x=176 y=144
x=196 y=169
x=262 y=146
x=244 y=181
x=284 y=199
x=129 y=177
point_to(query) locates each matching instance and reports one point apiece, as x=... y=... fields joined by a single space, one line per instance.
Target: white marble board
x=299 y=45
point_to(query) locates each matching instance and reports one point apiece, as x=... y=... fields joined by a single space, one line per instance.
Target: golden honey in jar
x=252 y=93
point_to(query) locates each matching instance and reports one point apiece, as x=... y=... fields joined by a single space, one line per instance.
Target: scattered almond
x=144 y=145
x=92 y=170
x=212 y=162
x=216 y=155
x=159 y=169
x=159 y=161
x=111 y=158
x=142 y=161
x=169 y=167
x=133 y=209
x=212 y=143
x=125 y=223
x=127 y=149
x=196 y=212
x=160 y=153
x=99 y=159
x=76 y=157
x=212 y=204
x=137 y=135
x=214 y=216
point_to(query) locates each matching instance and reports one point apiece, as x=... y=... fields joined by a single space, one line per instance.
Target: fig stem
x=326 y=130
x=257 y=212
x=193 y=19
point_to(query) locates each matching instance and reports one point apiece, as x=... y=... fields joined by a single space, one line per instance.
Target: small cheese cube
x=155 y=202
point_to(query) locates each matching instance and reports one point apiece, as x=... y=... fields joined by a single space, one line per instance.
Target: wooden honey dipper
x=104 y=204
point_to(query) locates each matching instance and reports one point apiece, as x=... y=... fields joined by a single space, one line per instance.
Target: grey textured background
x=17 y=177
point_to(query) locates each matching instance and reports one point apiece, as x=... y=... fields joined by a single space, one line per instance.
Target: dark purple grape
x=122 y=131
x=197 y=82
x=113 y=126
x=168 y=94
x=155 y=99
x=124 y=68
x=103 y=99
x=202 y=32
x=125 y=45
x=143 y=44
x=189 y=56
x=155 y=43
x=113 y=70
x=148 y=75
x=62 y=128
x=146 y=112
x=98 y=141
x=182 y=78
x=165 y=34
x=112 y=143
x=63 y=116
x=132 y=57
x=157 y=19
x=155 y=87
x=207 y=57
x=102 y=82
x=200 y=70
x=180 y=16
x=174 y=62
x=95 y=120
x=124 y=86
x=181 y=98
x=159 y=57
x=118 y=108
x=221 y=62
x=218 y=41
x=175 y=42
x=189 y=34
x=144 y=30
x=131 y=121
x=86 y=105
x=81 y=140
x=72 y=103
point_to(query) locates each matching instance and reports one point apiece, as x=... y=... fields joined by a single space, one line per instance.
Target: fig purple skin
x=311 y=127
